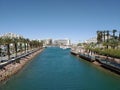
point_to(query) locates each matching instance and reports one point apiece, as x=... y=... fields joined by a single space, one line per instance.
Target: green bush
x=107 y=52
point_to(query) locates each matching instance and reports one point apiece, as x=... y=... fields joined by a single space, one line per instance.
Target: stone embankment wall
x=13 y=68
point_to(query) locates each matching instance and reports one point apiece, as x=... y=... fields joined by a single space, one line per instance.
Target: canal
x=57 y=69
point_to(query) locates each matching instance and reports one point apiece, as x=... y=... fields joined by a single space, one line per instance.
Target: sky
x=77 y=20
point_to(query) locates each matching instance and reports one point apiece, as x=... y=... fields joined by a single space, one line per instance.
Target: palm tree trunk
x=107 y=38
x=15 y=49
x=21 y=48
x=114 y=31
x=104 y=35
x=8 y=51
x=25 y=47
x=119 y=36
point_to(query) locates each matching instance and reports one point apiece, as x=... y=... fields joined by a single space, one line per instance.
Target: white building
x=11 y=35
x=47 y=42
x=91 y=40
x=64 y=42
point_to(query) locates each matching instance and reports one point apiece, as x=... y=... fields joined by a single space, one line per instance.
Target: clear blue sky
x=73 y=19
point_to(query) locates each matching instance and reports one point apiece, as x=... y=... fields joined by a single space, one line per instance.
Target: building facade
x=60 y=42
x=11 y=35
x=47 y=42
x=91 y=40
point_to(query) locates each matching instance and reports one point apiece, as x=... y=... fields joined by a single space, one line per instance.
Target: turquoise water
x=57 y=69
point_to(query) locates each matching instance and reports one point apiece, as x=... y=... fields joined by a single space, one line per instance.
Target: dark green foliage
x=107 y=52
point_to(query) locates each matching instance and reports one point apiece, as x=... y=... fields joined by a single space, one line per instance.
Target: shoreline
x=100 y=64
x=13 y=68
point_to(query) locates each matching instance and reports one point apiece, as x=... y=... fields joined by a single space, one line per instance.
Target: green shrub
x=107 y=52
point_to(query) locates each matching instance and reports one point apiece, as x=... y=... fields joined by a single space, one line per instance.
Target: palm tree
x=21 y=40
x=15 y=41
x=1 y=42
x=107 y=37
x=119 y=36
x=27 y=44
x=114 y=31
x=107 y=34
x=41 y=44
x=36 y=44
x=7 y=41
x=99 y=36
x=104 y=35
x=31 y=44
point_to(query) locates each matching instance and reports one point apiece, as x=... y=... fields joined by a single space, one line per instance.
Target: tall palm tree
x=31 y=44
x=1 y=42
x=119 y=36
x=27 y=44
x=114 y=31
x=99 y=36
x=15 y=41
x=36 y=44
x=7 y=41
x=21 y=40
x=41 y=44
x=107 y=34
x=104 y=32
x=107 y=37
